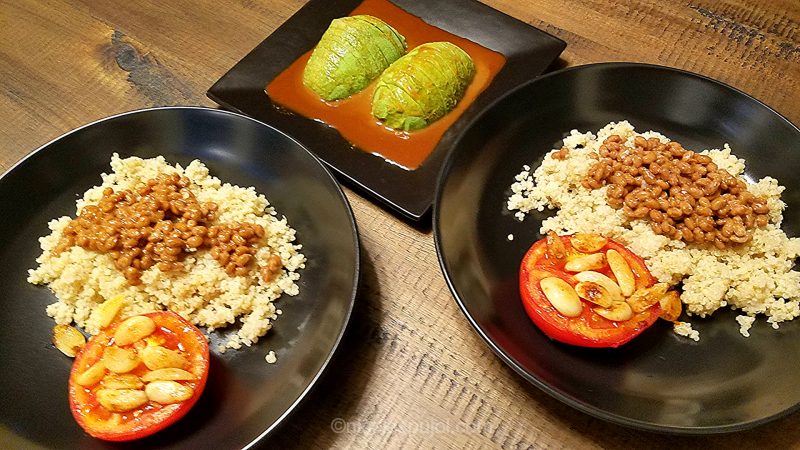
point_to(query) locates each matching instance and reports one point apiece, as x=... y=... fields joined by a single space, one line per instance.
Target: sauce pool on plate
x=352 y=116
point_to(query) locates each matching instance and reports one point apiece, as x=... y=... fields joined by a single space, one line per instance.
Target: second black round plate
x=659 y=381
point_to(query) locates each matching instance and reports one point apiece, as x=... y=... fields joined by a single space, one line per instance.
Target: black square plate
x=528 y=53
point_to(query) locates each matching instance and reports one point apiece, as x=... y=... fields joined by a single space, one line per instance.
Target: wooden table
x=411 y=372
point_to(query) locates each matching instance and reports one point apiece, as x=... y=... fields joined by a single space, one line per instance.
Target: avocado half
x=352 y=52
x=422 y=86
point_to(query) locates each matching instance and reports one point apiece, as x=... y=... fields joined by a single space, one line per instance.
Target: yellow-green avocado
x=352 y=52
x=422 y=86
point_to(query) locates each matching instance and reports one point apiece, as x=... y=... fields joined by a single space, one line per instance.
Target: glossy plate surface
x=245 y=397
x=659 y=381
x=528 y=53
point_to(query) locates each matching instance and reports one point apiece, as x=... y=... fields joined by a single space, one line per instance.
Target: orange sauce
x=352 y=116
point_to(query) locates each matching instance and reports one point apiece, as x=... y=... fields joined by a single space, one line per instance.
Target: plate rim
x=357 y=250
x=569 y=400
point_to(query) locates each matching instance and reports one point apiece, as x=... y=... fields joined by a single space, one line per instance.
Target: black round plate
x=245 y=397
x=659 y=381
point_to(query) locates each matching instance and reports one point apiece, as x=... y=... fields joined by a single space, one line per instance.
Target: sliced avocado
x=422 y=86
x=392 y=45
x=388 y=97
x=352 y=52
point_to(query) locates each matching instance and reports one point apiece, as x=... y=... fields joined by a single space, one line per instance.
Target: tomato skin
x=588 y=329
x=83 y=405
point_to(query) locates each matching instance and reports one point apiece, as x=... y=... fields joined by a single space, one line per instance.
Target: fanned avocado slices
x=422 y=86
x=352 y=52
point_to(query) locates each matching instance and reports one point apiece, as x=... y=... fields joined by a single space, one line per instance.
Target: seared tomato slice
x=180 y=347
x=588 y=329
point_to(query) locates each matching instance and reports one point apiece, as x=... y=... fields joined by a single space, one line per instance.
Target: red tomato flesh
x=172 y=332
x=589 y=329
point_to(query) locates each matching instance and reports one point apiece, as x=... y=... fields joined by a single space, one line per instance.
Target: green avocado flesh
x=422 y=86
x=353 y=51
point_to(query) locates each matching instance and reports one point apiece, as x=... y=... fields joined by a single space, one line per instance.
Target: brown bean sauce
x=159 y=224
x=683 y=194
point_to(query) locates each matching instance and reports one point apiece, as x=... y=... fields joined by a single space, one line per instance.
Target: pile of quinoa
x=202 y=293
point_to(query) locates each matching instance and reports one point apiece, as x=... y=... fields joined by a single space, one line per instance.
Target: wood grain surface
x=411 y=371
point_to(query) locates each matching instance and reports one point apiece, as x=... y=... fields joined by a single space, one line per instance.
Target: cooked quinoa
x=745 y=323
x=755 y=278
x=202 y=293
x=685 y=329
